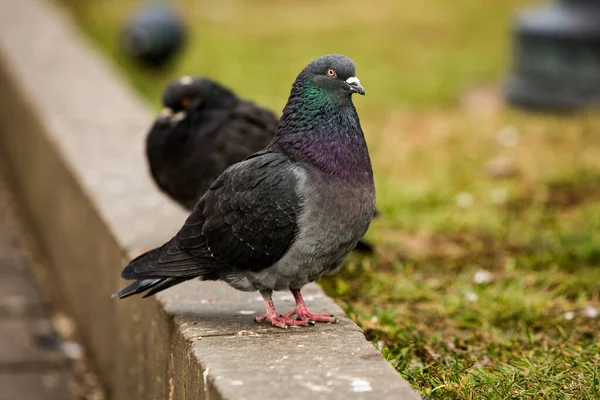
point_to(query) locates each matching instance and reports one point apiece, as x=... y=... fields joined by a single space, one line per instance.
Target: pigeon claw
x=282 y=321
x=305 y=315
x=308 y=321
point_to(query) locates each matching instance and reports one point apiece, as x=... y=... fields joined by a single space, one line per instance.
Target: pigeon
x=203 y=129
x=154 y=35
x=285 y=215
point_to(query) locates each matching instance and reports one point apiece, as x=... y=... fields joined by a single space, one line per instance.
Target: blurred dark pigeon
x=153 y=35
x=203 y=129
x=287 y=214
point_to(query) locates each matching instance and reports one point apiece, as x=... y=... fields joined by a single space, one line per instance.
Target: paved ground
x=31 y=366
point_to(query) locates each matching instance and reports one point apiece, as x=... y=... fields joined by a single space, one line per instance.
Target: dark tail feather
x=137 y=287
x=148 y=257
x=164 y=284
x=140 y=285
x=364 y=247
x=146 y=270
x=153 y=286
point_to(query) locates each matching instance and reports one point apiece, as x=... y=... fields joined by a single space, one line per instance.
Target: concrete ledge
x=73 y=135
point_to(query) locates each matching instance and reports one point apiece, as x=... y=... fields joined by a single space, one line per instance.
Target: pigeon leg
x=275 y=319
x=302 y=311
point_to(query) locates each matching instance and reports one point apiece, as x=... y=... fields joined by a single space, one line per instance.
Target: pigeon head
x=323 y=89
x=319 y=123
x=333 y=75
x=194 y=92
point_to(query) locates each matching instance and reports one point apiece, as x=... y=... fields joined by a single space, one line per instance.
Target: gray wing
x=247 y=220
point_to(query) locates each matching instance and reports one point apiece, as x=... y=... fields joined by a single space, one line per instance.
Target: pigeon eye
x=331 y=73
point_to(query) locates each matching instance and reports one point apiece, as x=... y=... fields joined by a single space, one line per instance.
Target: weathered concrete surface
x=73 y=134
x=38 y=385
x=18 y=294
x=28 y=371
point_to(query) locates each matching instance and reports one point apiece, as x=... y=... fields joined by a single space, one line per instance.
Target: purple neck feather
x=325 y=132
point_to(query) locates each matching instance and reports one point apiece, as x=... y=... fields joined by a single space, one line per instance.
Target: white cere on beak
x=186 y=80
x=355 y=86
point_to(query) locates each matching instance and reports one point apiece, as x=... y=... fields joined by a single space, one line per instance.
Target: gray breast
x=334 y=216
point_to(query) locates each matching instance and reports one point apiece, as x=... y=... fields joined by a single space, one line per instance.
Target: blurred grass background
x=486 y=281
x=406 y=54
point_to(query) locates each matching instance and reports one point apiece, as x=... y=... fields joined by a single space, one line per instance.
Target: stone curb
x=73 y=133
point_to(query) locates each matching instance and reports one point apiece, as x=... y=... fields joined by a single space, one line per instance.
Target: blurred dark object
x=557 y=56
x=203 y=129
x=153 y=34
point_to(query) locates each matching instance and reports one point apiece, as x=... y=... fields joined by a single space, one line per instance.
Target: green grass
x=433 y=127
x=524 y=334
x=406 y=54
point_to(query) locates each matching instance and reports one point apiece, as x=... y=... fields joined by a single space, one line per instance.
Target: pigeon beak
x=355 y=86
x=166 y=112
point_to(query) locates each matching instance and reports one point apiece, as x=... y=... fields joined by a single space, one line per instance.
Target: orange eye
x=331 y=73
x=185 y=102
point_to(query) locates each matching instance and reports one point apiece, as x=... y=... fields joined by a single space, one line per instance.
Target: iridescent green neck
x=324 y=130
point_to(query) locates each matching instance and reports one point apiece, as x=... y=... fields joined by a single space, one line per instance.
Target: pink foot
x=282 y=322
x=306 y=315
x=278 y=320
x=303 y=314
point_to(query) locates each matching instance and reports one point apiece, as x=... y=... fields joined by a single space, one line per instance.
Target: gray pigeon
x=203 y=129
x=287 y=214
